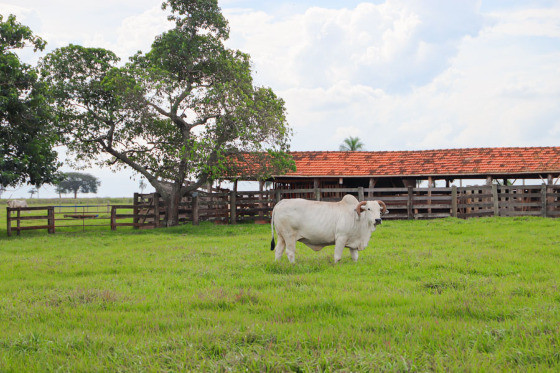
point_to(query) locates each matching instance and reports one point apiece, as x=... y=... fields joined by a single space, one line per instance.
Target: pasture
x=439 y=295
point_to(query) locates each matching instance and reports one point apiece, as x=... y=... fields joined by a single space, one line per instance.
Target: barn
x=398 y=169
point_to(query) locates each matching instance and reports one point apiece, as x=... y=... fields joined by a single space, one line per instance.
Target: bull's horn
x=383 y=206
x=359 y=207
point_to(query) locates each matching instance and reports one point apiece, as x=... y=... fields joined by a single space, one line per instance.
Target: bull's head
x=373 y=210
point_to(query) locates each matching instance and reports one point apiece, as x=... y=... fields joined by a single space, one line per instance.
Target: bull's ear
x=360 y=207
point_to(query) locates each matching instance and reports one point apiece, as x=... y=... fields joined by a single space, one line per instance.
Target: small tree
x=351 y=144
x=32 y=192
x=77 y=182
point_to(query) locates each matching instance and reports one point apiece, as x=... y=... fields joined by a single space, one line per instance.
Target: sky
x=399 y=74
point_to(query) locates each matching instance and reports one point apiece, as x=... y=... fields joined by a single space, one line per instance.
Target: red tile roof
x=445 y=162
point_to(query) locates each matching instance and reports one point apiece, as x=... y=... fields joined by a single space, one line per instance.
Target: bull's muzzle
x=377 y=221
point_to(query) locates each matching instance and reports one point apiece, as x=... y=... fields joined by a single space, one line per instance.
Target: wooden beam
x=371 y=186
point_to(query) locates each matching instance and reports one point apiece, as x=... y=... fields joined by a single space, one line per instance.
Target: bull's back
x=315 y=221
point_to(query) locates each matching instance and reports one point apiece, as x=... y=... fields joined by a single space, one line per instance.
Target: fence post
x=18 y=221
x=50 y=219
x=409 y=202
x=317 y=194
x=113 y=218
x=278 y=195
x=9 y=221
x=156 y=210
x=360 y=193
x=454 y=201
x=135 y=212
x=543 y=200
x=495 y=200
x=233 y=206
x=195 y=208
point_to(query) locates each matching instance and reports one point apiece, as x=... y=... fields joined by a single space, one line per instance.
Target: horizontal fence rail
x=149 y=211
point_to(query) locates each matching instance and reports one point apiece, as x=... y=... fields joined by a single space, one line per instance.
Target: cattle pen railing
x=231 y=207
x=403 y=203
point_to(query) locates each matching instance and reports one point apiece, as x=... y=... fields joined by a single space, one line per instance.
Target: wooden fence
x=148 y=210
x=402 y=203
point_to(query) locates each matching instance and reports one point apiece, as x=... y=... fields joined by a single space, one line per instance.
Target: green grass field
x=440 y=295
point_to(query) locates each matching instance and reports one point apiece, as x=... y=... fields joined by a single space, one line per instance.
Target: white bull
x=347 y=223
x=17 y=203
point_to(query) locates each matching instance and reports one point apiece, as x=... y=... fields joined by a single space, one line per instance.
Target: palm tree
x=351 y=144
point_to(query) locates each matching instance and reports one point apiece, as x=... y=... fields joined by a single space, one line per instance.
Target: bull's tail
x=272 y=244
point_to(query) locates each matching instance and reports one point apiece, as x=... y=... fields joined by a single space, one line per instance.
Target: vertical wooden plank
x=360 y=193
x=371 y=186
x=495 y=200
x=195 y=208
x=430 y=186
x=543 y=200
x=278 y=195
x=409 y=203
x=454 y=201
x=135 y=211
x=233 y=207
x=18 y=216
x=9 y=221
x=50 y=214
x=156 y=210
x=317 y=194
x=260 y=205
x=113 y=218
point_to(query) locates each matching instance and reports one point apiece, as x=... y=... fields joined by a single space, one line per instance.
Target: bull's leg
x=290 y=243
x=339 y=248
x=354 y=254
x=279 y=249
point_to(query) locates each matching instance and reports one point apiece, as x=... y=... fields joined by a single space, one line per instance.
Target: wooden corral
x=232 y=207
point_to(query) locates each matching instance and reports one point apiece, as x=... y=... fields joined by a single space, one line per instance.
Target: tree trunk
x=75 y=194
x=172 y=206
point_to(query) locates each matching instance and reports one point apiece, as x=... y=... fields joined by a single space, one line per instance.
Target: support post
x=495 y=200
x=113 y=218
x=409 y=203
x=156 y=210
x=260 y=204
x=195 y=208
x=371 y=186
x=278 y=195
x=135 y=211
x=360 y=193
x=9 y=221
x=50 y=219
x=18 y=217
x=233 y=206
x=454 y=201
x=543 y=200
x=317 y=194
x=430 y=186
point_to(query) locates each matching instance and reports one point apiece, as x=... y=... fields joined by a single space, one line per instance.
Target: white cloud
x=410 y=75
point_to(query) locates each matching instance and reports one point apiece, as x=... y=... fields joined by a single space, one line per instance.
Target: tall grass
x=441 y=295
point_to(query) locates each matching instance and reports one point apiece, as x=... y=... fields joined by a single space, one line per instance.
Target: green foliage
x=175 y=113
x=440 y=295
x=27 y=131
x=77 y=182
x=351 y=144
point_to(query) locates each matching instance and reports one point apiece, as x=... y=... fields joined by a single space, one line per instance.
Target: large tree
x=182 y=111
x=27 y=130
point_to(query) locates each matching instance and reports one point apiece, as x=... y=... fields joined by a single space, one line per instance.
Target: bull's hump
x=350 y=200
